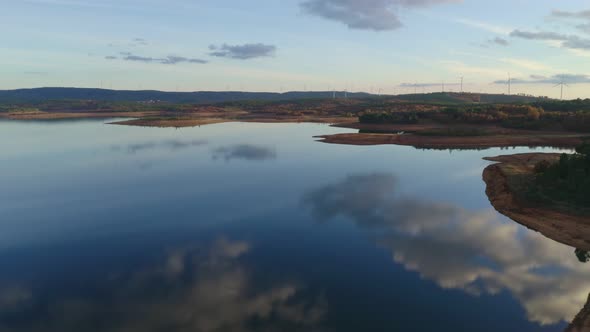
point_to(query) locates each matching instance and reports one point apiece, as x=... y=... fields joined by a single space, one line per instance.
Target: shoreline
x=569 y=229
x=456 y=142
x=493 y=136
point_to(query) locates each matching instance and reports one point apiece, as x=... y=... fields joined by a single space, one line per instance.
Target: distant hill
x=200 y=97
x=210 y=97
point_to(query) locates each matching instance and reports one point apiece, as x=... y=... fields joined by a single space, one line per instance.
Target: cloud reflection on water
x=245 y=152
x=171 y=145
x=190 y=290
x=477 y=252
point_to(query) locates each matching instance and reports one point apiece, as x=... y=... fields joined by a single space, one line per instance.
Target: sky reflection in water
x=110 y=228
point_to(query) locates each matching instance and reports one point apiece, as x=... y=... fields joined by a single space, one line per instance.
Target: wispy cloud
x=461 y=67
x=498 y=29
x=526 y=63
x=72 y=3
x=376 y=15
x=554 y=79
x=168 y=60
x=575 y=44
x=36 y=73
x=140 y=41
x=538 y=35
x=242 y=52
x=584 y=14
x=499 y=41
x=564 y=40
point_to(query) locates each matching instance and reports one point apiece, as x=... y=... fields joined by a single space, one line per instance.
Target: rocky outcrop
x=572 y=230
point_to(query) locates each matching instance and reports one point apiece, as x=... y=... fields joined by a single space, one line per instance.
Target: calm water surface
x=257 y=227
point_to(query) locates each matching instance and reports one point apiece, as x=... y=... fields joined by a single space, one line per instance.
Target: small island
x=548 y=193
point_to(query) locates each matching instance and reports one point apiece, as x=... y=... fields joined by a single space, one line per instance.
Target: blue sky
x=269 y=45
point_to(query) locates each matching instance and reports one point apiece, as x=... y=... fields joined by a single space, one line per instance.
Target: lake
x=258 y=227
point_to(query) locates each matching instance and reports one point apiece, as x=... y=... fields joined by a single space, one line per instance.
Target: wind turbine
x=561 y=84
x=461 y=83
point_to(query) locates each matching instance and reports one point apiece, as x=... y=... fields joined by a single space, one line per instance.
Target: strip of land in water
x=560 y=140
x=505 y=182
x=438 y=121
x=164 y=122
x=428 y=136
x=61 y=115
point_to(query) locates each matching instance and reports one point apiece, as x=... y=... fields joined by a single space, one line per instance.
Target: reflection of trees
x=583 y=255
x=476 y=252
x=190 y=290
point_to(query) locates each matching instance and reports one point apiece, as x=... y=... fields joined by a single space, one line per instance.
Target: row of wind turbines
x=562 y=84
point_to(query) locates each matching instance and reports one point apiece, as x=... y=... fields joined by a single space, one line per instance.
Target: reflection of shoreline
x=476 y=252
x=191 y=290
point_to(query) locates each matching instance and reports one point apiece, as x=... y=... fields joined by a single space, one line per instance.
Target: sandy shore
x=500 y=178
